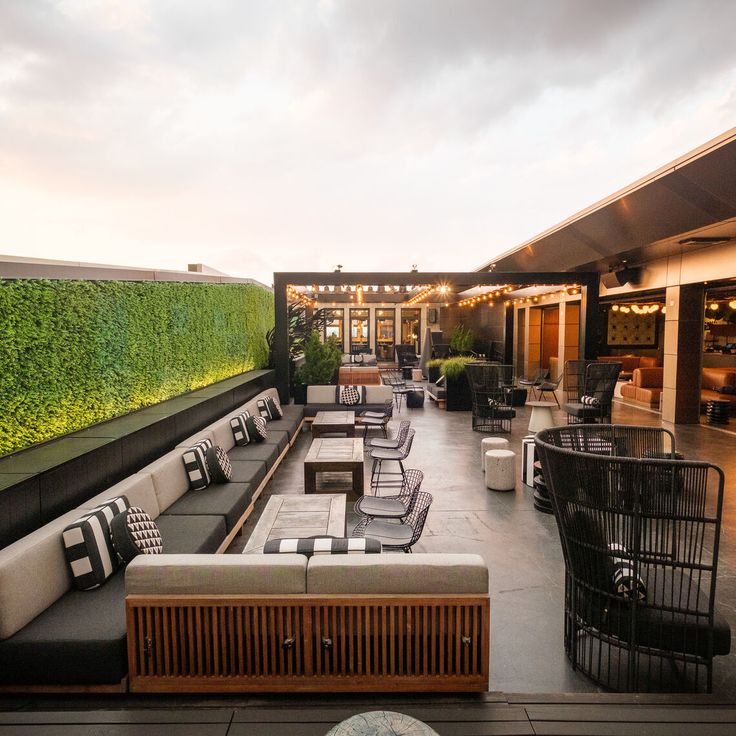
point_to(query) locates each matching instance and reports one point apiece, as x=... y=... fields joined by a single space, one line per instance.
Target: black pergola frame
x=462 y=280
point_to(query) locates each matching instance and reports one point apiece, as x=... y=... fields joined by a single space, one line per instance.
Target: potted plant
x=321 y=364
x=433 y=369
x=461 y=341
x=459 y=397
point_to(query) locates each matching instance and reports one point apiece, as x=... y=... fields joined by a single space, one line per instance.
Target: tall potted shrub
x=459 y=397
x=321 y=364
x=461 y=341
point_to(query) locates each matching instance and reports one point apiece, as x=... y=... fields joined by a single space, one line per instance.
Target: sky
x=295 y=135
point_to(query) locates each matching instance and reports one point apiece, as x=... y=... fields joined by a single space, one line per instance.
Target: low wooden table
x=334 y=455
x=298 y=516
x=327 y=422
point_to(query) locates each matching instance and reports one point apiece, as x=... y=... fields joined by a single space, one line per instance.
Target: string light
x=297 y=296
x=636 y=308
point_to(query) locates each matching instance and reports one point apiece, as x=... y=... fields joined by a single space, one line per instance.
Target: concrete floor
x=520 y=545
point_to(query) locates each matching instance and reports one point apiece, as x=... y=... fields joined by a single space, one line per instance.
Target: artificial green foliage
x=436 y=362
x=454 y=368
x=461 y=340
x=321 y=361
x=74 y=353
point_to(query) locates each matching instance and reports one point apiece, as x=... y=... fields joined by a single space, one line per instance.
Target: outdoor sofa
x=325 y=398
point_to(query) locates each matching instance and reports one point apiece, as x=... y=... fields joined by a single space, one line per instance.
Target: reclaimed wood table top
x=289 y=516
x=335 y=450
x=334 y=419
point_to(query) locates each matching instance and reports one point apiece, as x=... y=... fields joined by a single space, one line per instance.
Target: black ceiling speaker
x=622 y=276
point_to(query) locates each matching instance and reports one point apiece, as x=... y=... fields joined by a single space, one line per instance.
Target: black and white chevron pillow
x=134 y=533
x=195 y=463
x=88 y=545
x=349 y=395
x=493 y=403
x=625 y=582
x=323 y=546
x=269 y=408
x=590 y=401
x=247 y=429
x=218 y=463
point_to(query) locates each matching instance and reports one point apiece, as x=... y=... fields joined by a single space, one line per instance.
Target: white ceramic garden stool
x=491 y=443
x=500 y=470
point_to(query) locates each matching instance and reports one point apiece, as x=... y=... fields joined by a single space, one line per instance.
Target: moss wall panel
x=73 y=353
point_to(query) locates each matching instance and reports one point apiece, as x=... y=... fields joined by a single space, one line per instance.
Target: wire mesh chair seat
x=640 y=532
x=399 y=454
x=531 y=384
x=392 y=507
x=391 y=443
x=377 y=419
x=489 y=382
x=398 y=535
x=590 y=387
x=399 y=386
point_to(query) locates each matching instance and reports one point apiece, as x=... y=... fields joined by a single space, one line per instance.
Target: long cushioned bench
x=324 y=398
x=238 y=623
x=54 y=636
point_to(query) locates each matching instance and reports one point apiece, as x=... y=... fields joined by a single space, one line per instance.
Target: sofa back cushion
x=170 y=481
x=137 y=488
x=715 y=378
x=320 y=394
x=33 y=575
x=648 y=377
x=378 y=394
x=216 y=575
x=416 y=574
x=646 y=362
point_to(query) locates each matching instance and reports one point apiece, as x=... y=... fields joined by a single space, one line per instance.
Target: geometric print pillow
x=590 y=401
x=349 y=395
x=134 y=532
x=247 y=429
x=269 y=409
x=195 y=463
x=88 y=545
x=218 y=463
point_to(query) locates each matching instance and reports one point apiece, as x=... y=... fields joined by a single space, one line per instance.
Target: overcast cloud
x=289 y=135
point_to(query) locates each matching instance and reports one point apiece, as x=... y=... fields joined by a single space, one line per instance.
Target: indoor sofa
x=645 y=387
x=713 y=381
x=629 y=363
x=54 y=636
x=327 y=623
x=324 y=398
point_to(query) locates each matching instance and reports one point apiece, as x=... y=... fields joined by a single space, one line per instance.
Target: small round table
x=382 y=723
x=541 y=417
x=717 y=410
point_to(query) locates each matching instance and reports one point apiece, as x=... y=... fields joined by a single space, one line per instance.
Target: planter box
x=459 y=397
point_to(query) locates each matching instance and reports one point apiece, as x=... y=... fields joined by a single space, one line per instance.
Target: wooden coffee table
x=334 y=455
x=286 y=517
x=327 y=422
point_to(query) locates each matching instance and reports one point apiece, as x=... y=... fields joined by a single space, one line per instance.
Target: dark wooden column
x=590 y=316
x=508 y=336
x=281 y=337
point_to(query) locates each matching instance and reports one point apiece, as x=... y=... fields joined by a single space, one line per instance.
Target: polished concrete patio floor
x=520 y=544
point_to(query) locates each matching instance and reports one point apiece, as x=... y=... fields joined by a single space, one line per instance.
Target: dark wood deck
x=492 y=714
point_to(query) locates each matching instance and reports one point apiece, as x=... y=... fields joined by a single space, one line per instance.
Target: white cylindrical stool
x=500 y=470
x=491 y=443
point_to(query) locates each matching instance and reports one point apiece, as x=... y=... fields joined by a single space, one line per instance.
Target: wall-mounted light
x=732 y=304
x=713 y=307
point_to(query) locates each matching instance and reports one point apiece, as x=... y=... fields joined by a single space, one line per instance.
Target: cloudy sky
x=295 y=135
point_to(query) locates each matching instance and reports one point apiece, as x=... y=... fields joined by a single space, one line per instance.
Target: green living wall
x=73 y=353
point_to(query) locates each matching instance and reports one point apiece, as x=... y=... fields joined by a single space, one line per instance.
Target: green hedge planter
x=74 y=353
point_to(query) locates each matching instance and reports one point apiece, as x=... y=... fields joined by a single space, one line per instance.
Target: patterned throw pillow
x=247 y=429
x=218 y=464
x=625 y=582
x=88 y=545
x=323 y=546
x=269 y=408
x=589 y=401
x=195 y=463
x=134 y=532
x=349 y=395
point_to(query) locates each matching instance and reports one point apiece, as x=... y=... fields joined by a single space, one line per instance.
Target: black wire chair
x=392 y=507
x=640 y=532
x=531 y=384
x=489 y=386
x=590 y=387
x=376 y=420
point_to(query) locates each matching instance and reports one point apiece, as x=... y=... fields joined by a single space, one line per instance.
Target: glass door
x=334 y=319
x=359 y=331
x=410 y=326
x=385 y=325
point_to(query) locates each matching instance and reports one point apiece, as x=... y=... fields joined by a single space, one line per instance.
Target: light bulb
x=714 y=307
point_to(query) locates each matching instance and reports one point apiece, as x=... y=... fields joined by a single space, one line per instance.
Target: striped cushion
x=590 y=401
x=247 y=429
x=625 y=582
x=323 y=546
x=269 y=408
x=88 y=545
x=195 y=463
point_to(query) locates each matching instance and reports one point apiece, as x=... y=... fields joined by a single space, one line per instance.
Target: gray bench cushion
x=266 y=452
x=191 y=534
x=279 y=437
x=80 y=639
x=227 y=499
x=293 y=415
x=248 y=471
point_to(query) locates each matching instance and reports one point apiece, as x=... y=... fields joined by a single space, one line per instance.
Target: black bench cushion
x=184 y=535
x=227 y=499
x=293 y=415
x=79 y=640
x=278 y=437
x=266 y=452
